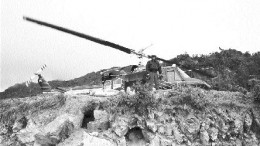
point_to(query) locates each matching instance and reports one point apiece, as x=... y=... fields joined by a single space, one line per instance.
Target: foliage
x=20 y=90
x=138 y=103
x=195 y=97
x=232 y=68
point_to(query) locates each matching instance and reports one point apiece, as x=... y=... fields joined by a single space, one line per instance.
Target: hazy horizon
x=173 y=27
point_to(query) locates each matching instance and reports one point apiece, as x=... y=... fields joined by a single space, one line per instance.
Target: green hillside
x=233 y=69
x=20 y=90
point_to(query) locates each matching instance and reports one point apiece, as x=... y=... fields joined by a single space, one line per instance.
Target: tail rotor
x=27 y=83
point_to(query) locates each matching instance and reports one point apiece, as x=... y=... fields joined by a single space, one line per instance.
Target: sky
x=173 y=27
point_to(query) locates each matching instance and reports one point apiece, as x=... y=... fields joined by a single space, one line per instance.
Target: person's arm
x=39 y=79
x=159 y=68
x=148 y=66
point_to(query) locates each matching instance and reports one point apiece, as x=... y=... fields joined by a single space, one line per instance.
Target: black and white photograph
x=130 y=73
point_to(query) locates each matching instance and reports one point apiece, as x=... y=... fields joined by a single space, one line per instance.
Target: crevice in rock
x=88 y=117
x=255 y=127
x=24 y=122
x=135 y=137
x=66 y=131
x=19 y=124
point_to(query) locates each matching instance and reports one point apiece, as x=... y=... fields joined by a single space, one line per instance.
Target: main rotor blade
x=88 y=37
x=103 y=42
x=166 y=61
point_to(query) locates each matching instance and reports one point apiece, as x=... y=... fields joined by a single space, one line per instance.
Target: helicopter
x=129 y=75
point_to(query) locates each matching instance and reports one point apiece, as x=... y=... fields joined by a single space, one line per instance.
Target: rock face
x=187 y=116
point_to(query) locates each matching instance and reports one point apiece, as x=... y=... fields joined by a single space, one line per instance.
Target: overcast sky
x=173 y=27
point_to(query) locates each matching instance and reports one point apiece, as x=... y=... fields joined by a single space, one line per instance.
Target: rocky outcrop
x=186 y=116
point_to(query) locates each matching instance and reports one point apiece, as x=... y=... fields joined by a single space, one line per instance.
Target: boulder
x=59 y=134
x=161 y=129
x=135 y=139
x=3 y=129
x=238 y=127
x=65 y=130
x=163 y=118
x=98 y=125
x=101 y=115
x=121 y=130
x=122 y=120
x=165 y=142
x=81 y=138
x=247 y=122
x=158 y=114
x=121 y=125
x=59 y=123
x=1 y=139
x=239 y=142
x=140 y=122
x=204 y=136
x=110 y=134
x=27 y=135
x=20 y=123
x=252 y=141
x=168 y=129
x=213 y=133
x=190 y=126
x=155 y=141
x=121 y=141
x=178 y=135
x=148 y=136
x=151 y=125
x=45 y=140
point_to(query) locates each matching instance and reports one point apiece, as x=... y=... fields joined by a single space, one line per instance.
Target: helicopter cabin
x=113 y=84
x=174 y=75
x=171 y=74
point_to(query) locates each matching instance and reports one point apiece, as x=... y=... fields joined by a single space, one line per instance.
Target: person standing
x=152 y=67
x=43 y=83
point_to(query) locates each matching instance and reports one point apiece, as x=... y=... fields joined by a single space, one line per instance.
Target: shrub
x=138 y=103
x=194 y=97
